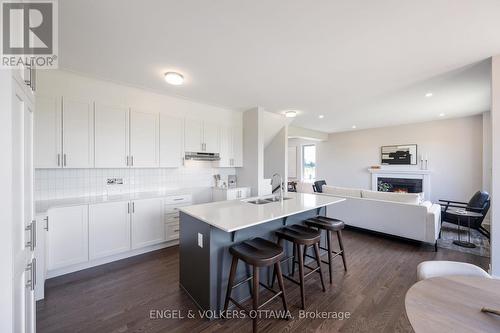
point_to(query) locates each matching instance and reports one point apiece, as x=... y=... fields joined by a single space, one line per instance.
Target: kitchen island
x=208 y=230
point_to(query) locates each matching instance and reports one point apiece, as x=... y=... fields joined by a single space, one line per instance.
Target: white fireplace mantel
x=425 y=175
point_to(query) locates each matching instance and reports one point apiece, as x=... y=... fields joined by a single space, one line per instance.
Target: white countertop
x=238 y=214
x=42 y=206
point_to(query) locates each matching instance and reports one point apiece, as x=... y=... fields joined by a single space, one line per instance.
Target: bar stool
x=258 y=253
x=301 y=237
x=329 y=225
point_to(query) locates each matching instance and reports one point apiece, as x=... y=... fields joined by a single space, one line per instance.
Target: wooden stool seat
x=326 y=223
x=299 y=234
x=329 y=225
x=257 y=252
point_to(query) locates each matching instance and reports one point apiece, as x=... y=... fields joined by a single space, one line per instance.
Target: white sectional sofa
x=399 y=214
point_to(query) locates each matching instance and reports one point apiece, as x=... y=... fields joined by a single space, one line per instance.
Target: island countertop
x=235 y=215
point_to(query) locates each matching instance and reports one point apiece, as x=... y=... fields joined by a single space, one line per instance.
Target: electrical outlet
x=200 y=240
x=114 y=181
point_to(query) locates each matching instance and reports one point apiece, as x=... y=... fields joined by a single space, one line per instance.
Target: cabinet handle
x=64 y=159
x=33 y=79
x=132 y=160
x=127 y=161
x=128 y=207
x=33 y=263
x=33 y=239
x=47 y=223
x=30 y=242
x=178 y=199
x=133 y=207
x=31 y=267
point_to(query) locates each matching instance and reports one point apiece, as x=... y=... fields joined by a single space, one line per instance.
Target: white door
x=210 y=137
x=148 y=225
x=171 y=133
x=111 y=136
x=67 y=236
x=48 y=132
x=144 y=139
x=22 y=198
x=225 y=143
x=109 y=229
x=237 y=142
x=193 y=135
x=78 y=133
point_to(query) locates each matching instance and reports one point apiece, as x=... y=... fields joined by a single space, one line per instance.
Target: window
x=309 y=163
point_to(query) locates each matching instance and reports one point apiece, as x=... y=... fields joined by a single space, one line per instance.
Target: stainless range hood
x=199 y=156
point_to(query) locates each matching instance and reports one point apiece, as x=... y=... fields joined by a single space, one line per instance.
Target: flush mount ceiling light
x=429 y=94
x=442 y=114
x=321 y=116
x=290 y=114
x=353 y=126
x=174 y=78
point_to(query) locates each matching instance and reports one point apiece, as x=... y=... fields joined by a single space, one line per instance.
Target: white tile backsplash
x=67 y=183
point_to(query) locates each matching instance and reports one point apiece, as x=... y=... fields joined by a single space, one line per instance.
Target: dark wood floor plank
x=118 y=297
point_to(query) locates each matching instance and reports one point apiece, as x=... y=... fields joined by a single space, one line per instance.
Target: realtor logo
x=29 y=34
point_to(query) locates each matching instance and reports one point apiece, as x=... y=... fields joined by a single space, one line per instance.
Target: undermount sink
x=262 y=201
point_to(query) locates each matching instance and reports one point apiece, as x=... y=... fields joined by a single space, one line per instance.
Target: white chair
x=429 y=269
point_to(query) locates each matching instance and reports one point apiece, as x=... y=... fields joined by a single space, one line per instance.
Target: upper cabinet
x=144 y=139
x=111 y=136
x=48 y=132
x=200 y=136
x=78 y=133
x=231 y=146
x=171 y=132
x=64 y=133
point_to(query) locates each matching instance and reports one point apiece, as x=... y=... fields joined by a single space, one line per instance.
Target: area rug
x=449 y=233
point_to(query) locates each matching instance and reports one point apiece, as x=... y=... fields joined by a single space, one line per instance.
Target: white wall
x=495 y=180
x=454 y=147
x=276 y=155
x=252 y=172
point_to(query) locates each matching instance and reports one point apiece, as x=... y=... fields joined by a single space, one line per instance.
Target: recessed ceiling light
x=353 y=126
x=321 y=116
x=174 y=78
x=429 y=94
x=442 y=114
x=291 y=114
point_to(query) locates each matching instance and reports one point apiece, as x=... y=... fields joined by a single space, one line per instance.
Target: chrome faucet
x=280 y=187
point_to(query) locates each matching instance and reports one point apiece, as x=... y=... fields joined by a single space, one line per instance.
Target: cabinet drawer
x=172 y=231
x=178 y=199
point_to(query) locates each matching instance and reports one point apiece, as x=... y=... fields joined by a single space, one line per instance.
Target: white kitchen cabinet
x=67 y=236
x=64 y=133
x=211 y=137
x=109 y=229
x=111 y=136
x=144 y=139
x=78 y=133
x=193 y=135
x=223 y=194
x=48 y=132
x=171 y=133
x=230 y=138
x=201 y=136
x=148 y=225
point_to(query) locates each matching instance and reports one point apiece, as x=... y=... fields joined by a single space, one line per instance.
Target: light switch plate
x=200 y=240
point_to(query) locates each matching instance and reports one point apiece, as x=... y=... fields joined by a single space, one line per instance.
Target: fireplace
x=402 y=185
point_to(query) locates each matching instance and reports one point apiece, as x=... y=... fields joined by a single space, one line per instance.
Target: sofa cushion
x=342 y=191
x=409 y=198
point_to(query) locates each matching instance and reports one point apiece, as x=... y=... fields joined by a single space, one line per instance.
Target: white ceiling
x=367 y=63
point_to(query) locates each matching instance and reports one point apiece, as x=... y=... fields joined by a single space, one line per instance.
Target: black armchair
x=318 y=186
x=479 y=203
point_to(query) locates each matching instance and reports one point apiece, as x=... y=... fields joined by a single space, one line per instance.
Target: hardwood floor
x=118 y=297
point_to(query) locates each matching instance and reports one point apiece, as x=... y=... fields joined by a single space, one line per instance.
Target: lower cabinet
x=67 y=236
x=223 y=194
x=109 y=229
x=148 y=225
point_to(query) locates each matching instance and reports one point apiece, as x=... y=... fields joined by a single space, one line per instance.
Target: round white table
x=453 y=304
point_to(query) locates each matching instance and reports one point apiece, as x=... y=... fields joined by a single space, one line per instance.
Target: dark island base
x=204 y=271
